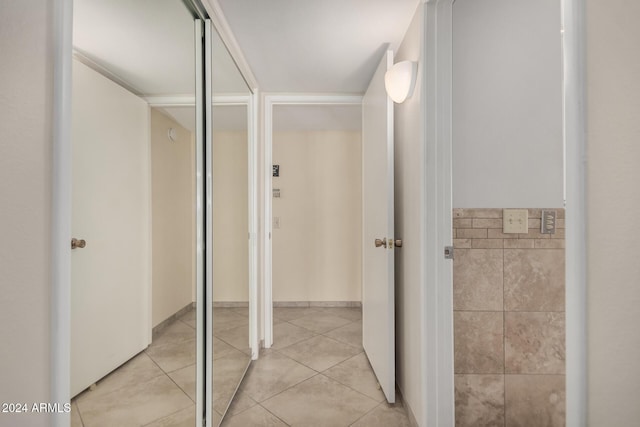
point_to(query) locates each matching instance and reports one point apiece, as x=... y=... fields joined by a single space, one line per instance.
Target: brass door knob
x=75 y=243
x=382 y=242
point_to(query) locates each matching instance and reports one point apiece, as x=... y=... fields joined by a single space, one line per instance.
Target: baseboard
x=347 y=304
x=230 y=304
x=169 y=320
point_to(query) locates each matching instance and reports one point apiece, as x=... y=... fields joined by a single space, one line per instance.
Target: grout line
x=283 y=421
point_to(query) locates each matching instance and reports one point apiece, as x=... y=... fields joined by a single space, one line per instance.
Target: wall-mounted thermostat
x=276 y=170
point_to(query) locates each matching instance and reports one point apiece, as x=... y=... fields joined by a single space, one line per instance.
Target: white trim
x=208 y=155
x=271 y=99
x=437 y=316
x=60 y=374
x=226 y=35
x=573 y=22
x=203 y=364
x=190 y=100
x=252 y=134
x=171 y=100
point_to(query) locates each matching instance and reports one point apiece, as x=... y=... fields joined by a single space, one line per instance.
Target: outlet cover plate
x=515 y=221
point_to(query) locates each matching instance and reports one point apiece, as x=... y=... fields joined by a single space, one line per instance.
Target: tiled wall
x=509 y=328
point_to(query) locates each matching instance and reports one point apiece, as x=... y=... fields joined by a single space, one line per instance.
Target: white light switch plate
x=515 y=221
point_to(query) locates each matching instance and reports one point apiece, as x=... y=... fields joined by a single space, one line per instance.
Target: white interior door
x=378 y=325
x=111 y=276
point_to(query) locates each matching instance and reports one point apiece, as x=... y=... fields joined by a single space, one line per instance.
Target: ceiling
x=292 y=46
x=316 y=46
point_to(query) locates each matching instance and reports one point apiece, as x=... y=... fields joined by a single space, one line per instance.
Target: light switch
x=515 y=221
x=276 y=222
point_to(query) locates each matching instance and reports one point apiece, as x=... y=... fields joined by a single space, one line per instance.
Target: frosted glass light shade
x=400 y=80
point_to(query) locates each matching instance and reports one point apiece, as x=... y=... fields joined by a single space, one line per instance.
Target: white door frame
x=438 y=54
x=270 y=100
x=250 y=102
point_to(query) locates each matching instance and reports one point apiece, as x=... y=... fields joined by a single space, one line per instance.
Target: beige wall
x=410 y=221
x=508 y=302
x=613 y=247
x=173 y=222
x=25 y=199
x=230 y=217
x=316 y=250
x=507 y=104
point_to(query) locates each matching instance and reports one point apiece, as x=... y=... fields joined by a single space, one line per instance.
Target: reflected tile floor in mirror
x=316 y=374
x=157 y=386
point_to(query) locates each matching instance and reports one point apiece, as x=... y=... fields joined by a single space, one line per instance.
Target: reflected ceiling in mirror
x=144 y=45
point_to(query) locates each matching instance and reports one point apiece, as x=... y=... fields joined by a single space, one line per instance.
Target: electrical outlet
x=515 y=221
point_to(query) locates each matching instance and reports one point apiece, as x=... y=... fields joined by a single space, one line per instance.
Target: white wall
x=25 y=200
x=173 y=216
x=316 y=250
x=410 y=221
x=507 y=105
x=613 y=246
x=230 y=216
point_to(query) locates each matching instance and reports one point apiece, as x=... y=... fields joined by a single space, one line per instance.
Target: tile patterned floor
x=316 y=374
x=157 y=387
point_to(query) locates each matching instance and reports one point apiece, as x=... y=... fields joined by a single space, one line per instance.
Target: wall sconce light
x=400 y=80
x=172 y=134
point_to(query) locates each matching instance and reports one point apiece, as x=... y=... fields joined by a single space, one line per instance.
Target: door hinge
x=448 y=252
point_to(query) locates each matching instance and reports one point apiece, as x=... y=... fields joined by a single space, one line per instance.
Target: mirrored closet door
x=135 y=270
x=232 y=204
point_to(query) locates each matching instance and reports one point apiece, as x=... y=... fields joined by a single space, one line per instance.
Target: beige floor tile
x=227 y=374
x=350 y=313
x=286 y=334
x=349 y=334
x=254 y=417
x=385 y=415
x=227 y=318
x=319 y=401
x=186 y=380
x=241 y=402
x=291 y=313
x=189 y=318
x=139 y=369
x=271 y=374
x=221 y=348
x=237 y=337
x=320 y=352
x=173 y=355
x=320 y=322
x=242 y=310
x=174 y=333
x=183 y=418
x=76 y=421
x=136 y=405
x=357 y=374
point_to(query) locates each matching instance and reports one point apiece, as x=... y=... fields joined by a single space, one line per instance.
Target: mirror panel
x=126 y=150
x=231 y=227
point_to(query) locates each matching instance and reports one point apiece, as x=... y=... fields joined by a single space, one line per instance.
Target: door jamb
x=271 y=100
x=439 y=14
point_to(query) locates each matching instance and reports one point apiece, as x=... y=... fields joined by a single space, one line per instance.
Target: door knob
x=382 y=243
x=75 y=243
